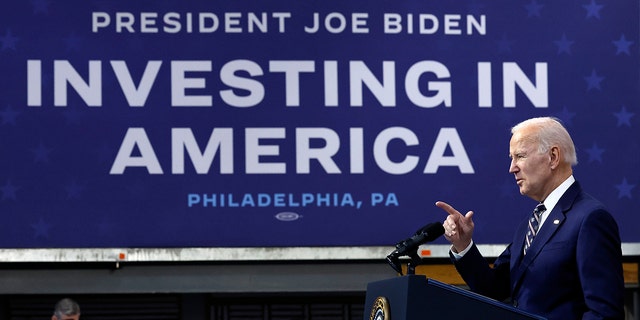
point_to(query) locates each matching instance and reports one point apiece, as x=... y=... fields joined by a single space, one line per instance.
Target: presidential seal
x=380 y=309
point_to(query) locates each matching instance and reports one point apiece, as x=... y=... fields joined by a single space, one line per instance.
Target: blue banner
x=301 y=123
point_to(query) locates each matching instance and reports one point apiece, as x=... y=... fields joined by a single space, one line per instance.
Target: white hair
x=550 y=132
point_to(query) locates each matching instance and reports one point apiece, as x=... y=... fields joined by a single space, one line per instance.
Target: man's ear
x=554 y=157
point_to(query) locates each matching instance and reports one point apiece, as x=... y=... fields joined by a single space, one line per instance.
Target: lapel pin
x=556 y=221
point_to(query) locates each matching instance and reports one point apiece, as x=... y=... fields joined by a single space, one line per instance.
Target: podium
x=415 y=297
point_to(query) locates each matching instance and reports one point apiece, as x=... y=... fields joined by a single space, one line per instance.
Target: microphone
x=410 y=245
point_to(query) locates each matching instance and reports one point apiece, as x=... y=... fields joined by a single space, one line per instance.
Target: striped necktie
x=534 y=223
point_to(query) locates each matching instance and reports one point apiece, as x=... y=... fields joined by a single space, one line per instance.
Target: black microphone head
x=432 y=231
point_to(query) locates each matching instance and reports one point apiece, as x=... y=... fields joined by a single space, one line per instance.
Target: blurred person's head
x=66 y=309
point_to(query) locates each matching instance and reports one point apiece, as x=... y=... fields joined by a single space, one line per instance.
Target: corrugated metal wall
x=191 y=307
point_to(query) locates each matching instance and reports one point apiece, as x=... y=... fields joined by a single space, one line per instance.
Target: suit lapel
x=551 y=225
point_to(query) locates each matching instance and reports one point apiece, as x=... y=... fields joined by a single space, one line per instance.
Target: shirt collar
x=555 y=195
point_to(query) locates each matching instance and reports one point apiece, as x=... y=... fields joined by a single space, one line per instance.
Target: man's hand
x=458 y=229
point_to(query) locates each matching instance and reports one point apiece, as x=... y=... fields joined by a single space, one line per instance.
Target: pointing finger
x=446 y=207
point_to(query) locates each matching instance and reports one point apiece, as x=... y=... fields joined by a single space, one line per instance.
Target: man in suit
x=566 y=264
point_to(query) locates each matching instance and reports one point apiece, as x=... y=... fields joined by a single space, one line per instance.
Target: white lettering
x=448 y=137
x=304 y=151
x=180 y=82
x=429 y=24
x=538 y=94
x=442 y=88
x=254 y=87
x=136 y=137
x=360 y=74
x=136 y=96
x=90 y=92
x=34 y=83
x=427 y=84
x=221 y=140
x=262 y=151
x=199 y=22
x=292 y=70
x=99 y=20
x=254 y=151
x=381 y=154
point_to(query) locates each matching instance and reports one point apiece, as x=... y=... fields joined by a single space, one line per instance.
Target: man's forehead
x=521 y=146
x=522 y=139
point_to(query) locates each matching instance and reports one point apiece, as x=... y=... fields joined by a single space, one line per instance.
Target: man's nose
x=512 y=167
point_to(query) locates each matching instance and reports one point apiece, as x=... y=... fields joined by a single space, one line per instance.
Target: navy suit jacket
x=573 y=269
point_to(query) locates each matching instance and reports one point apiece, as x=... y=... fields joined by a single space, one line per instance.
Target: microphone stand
x=411 y=265
x=415 y=261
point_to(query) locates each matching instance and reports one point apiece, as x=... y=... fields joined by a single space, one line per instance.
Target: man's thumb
x=468 y=215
